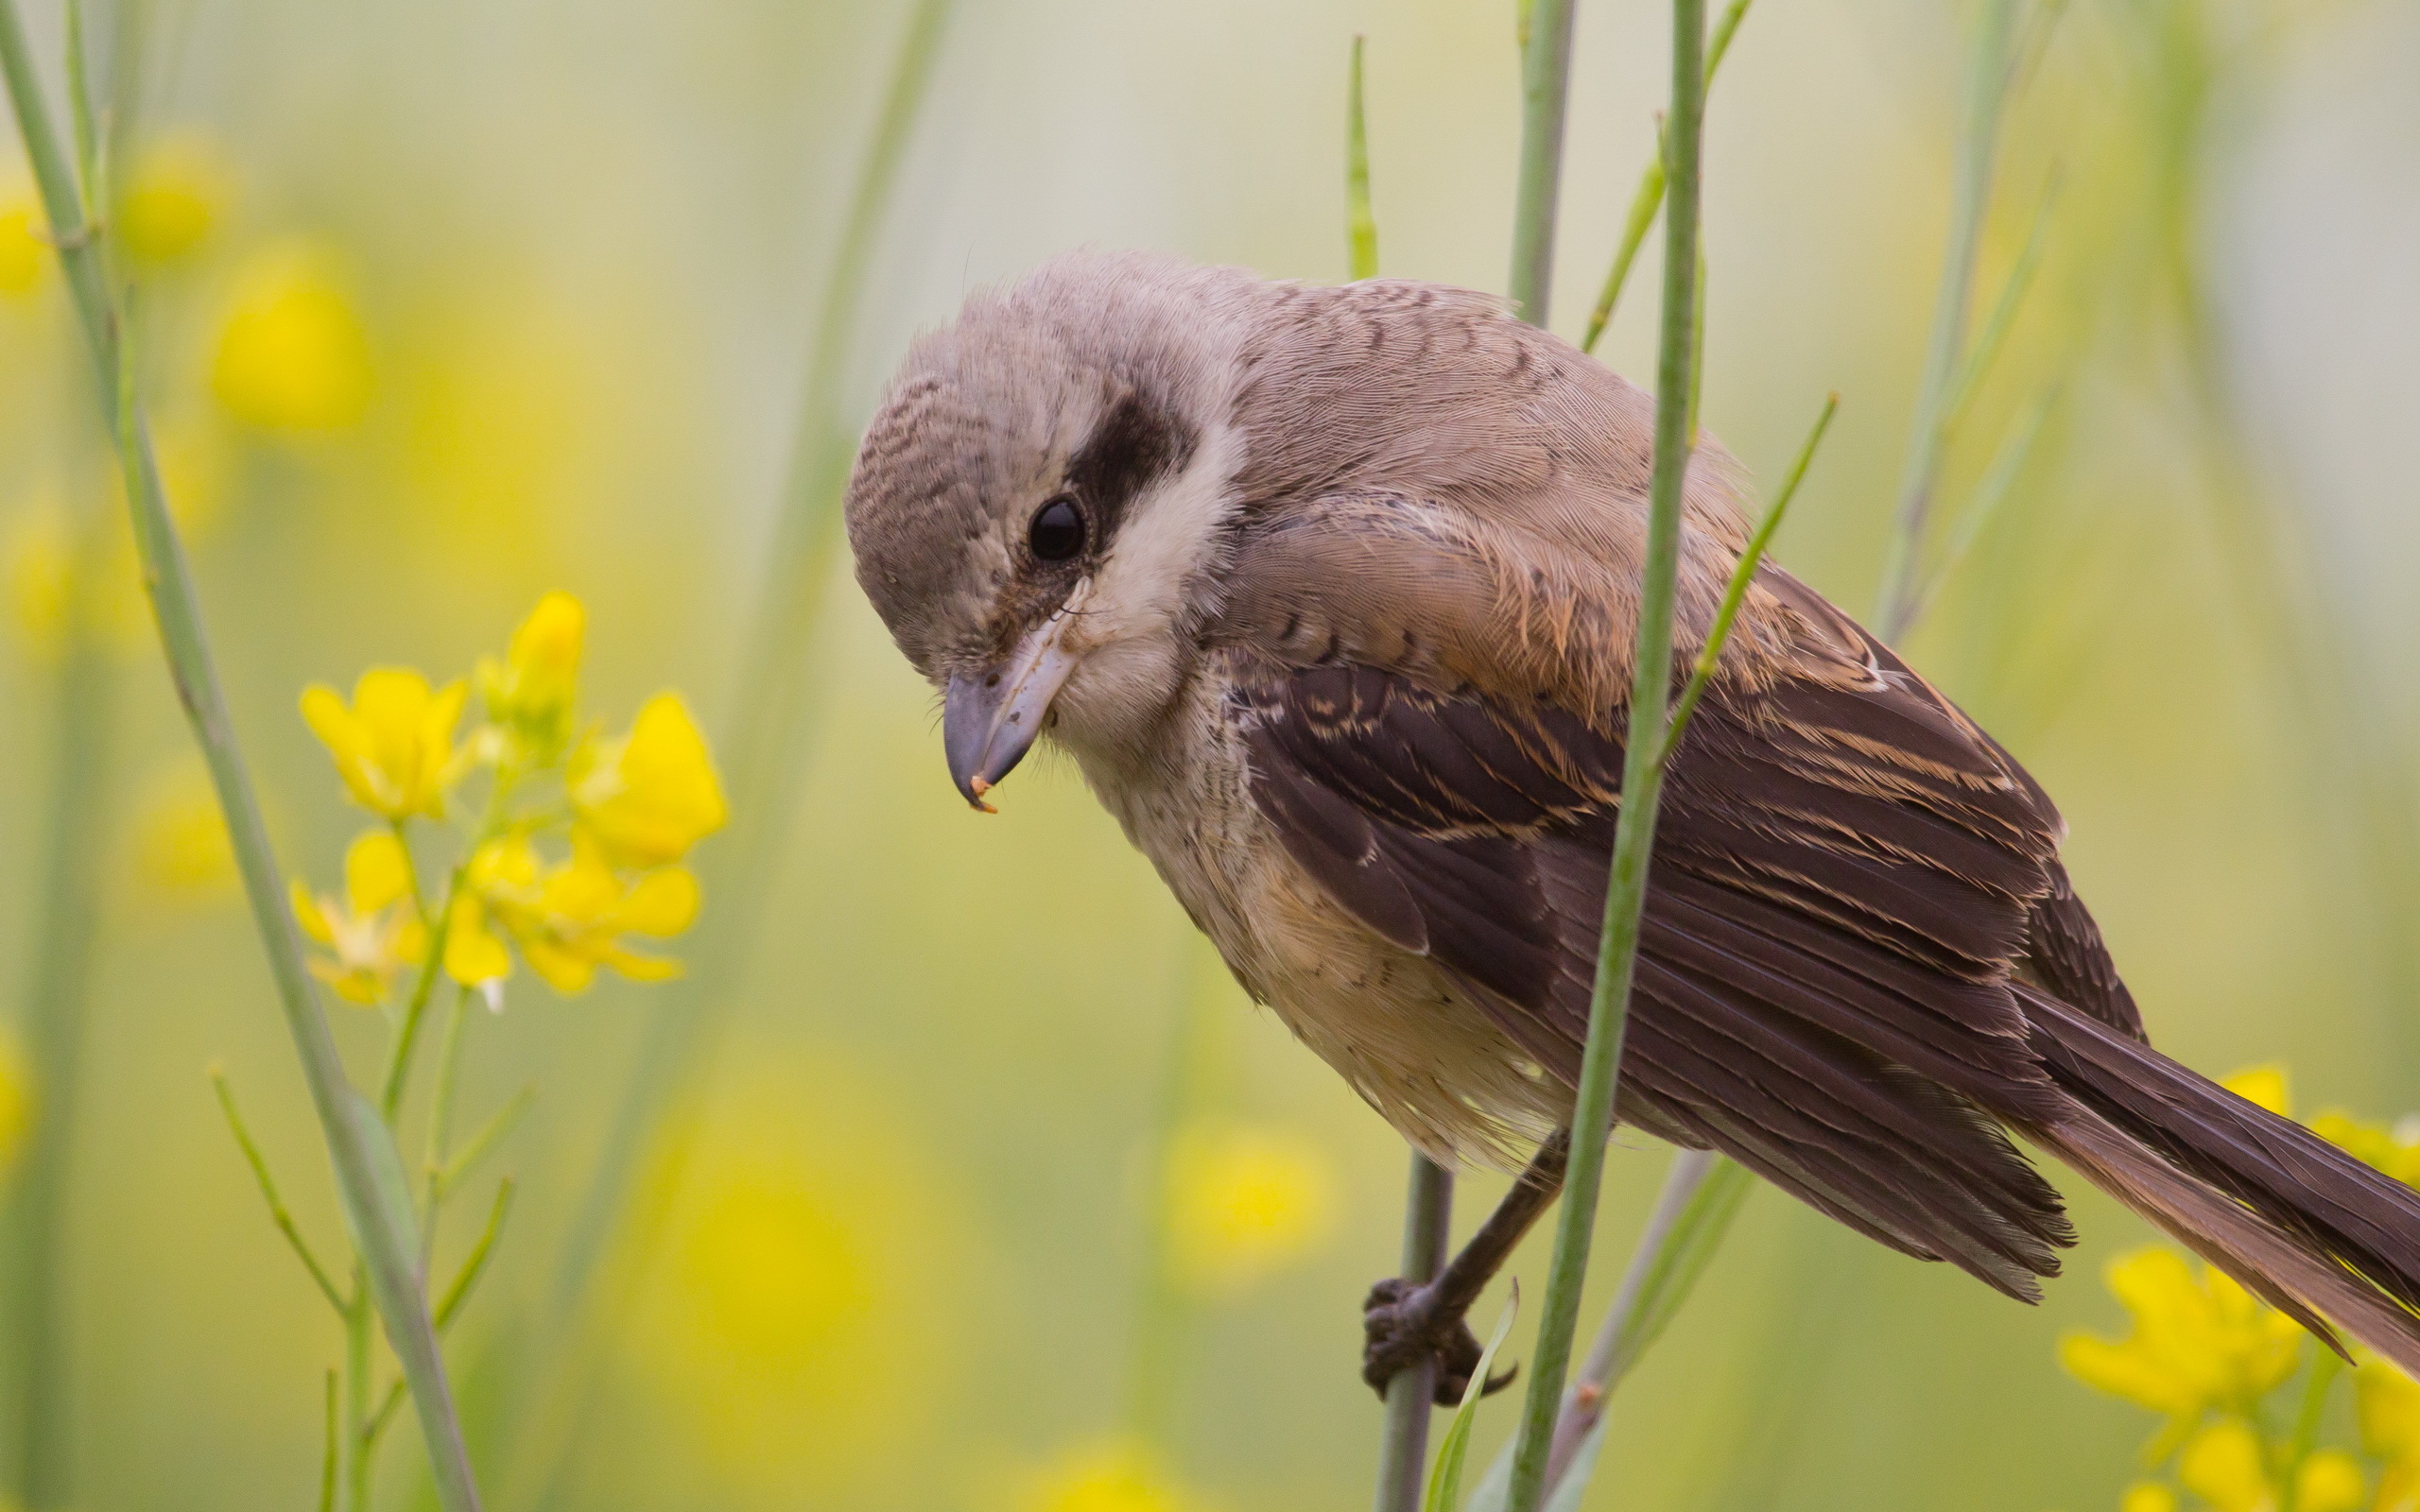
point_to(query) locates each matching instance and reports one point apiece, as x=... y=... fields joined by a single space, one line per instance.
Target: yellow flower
x=370 y=937
x=647 y=797
x=567 y=919
x=292 y=355
x=2265 y=1084
x=801 y=1322
x=16 y=1102
x=2148 y=1495
x=21 y=254
x=1243 y=1203
x=36 y=568
x=2329 y=1481
x=179 y=846
x=2222 y=1465
x=2197 y=1342
x=394 y=746
x=1116 y=1476
x=530 y=693
x=172 y=201
x=2389 y=1405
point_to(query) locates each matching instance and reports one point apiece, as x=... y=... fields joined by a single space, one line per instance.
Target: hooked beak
x=990 y=719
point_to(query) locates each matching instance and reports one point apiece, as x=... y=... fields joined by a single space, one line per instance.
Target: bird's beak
x=991 y=719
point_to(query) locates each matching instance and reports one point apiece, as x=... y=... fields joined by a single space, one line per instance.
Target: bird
x=1330 y=594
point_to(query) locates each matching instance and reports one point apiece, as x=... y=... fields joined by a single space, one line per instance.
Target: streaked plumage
x=1347 y=653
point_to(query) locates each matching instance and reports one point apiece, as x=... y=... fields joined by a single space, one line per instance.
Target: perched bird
x=1330 y=594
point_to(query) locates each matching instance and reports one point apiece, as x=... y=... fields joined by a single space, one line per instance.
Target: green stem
x=360 y=1450
x=1545 y=90
x=449 y=1306
x=328 y=1452
x=385 y=1242
x=441 y=1123
x=399 y=1051
x=1642 y=772
x=1648 y=196
x=1427 y=1221
x=1361 y=223
x=58 y=990
x=2306 y=1418
x=1742 y=575
x=1978 y=145
x=277 y=1209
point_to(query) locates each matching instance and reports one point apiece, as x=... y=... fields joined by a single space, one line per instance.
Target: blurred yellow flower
x=1113 y=1476
x=2394 y=1149
x=2148 y=1495
x=16 y=1101
x=370 y=937
x=567 y=919
x=2223 y=1465
x=531 y=692
x=803 y=1326
x=649 y=795
x=2388 y=1404
x=179 y=837
x=1242 y=1203
x=292 y=355
x=23 y=256
x=172 y=199
x=2198 y=1343
x=2265 y=1084
x=395 y=746
x=37 y=566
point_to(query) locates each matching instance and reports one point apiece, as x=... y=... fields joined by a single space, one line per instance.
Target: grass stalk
x=1545 y=93
x=57 y=989
x=1642 y=770
x=1361 y=223
x=1649 y=198
x=1429 y=1208
x=382 y=1231
x=1987 y=87
x=277 y=1208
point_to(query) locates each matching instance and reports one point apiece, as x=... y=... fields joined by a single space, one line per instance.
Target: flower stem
x=1642 y=770
x=1427 y=1214
x=1545 y=93
x=56 y=1002
x=386 y=1244
x=441 y=1123
x=1361 y=223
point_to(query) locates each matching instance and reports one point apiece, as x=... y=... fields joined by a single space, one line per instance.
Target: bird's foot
x=1405 y=1325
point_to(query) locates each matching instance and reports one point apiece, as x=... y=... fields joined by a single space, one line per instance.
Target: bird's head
x=1036 y=506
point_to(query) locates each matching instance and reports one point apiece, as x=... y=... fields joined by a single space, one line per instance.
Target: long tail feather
x=2301 y=1224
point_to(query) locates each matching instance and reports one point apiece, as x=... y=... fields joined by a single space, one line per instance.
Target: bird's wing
x=1845 y=874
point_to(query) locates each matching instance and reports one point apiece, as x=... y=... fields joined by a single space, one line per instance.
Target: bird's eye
x=1058 y=530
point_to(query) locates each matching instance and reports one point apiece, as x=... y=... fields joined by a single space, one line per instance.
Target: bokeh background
x=992 y=1194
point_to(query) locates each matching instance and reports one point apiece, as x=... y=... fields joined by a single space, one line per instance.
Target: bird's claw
x=1405 y=1325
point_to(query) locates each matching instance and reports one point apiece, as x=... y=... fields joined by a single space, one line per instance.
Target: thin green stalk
x=2003 y=317
x=449 y=1306
x=1977 y=147
x=1360 y=224
x=1649 y=198
x=359 y=1450
x=382 y=1229
x=407 y=1037
x=441 y=1122
x=1546 y=92
x=1702 y=1195
x=2324 y=1369
x=57 y=1001
x=1742 y=575
x=1429 y=1208
x=1998 y=482
x=483 y=1144
x=328 y=1455
x=1642 y=772
x=277 y=1209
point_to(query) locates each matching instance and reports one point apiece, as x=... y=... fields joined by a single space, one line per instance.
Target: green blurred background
x=450 y=304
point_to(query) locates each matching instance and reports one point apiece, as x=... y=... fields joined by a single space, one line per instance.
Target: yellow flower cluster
x=2209 y=1357
x=631 y=807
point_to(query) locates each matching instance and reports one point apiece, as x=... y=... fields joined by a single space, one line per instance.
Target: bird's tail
x=2304 y=1226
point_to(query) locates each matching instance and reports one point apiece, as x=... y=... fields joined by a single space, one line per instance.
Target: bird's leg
x=1405 y=1324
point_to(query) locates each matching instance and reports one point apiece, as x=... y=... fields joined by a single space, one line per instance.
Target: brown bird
x=1330 y=593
